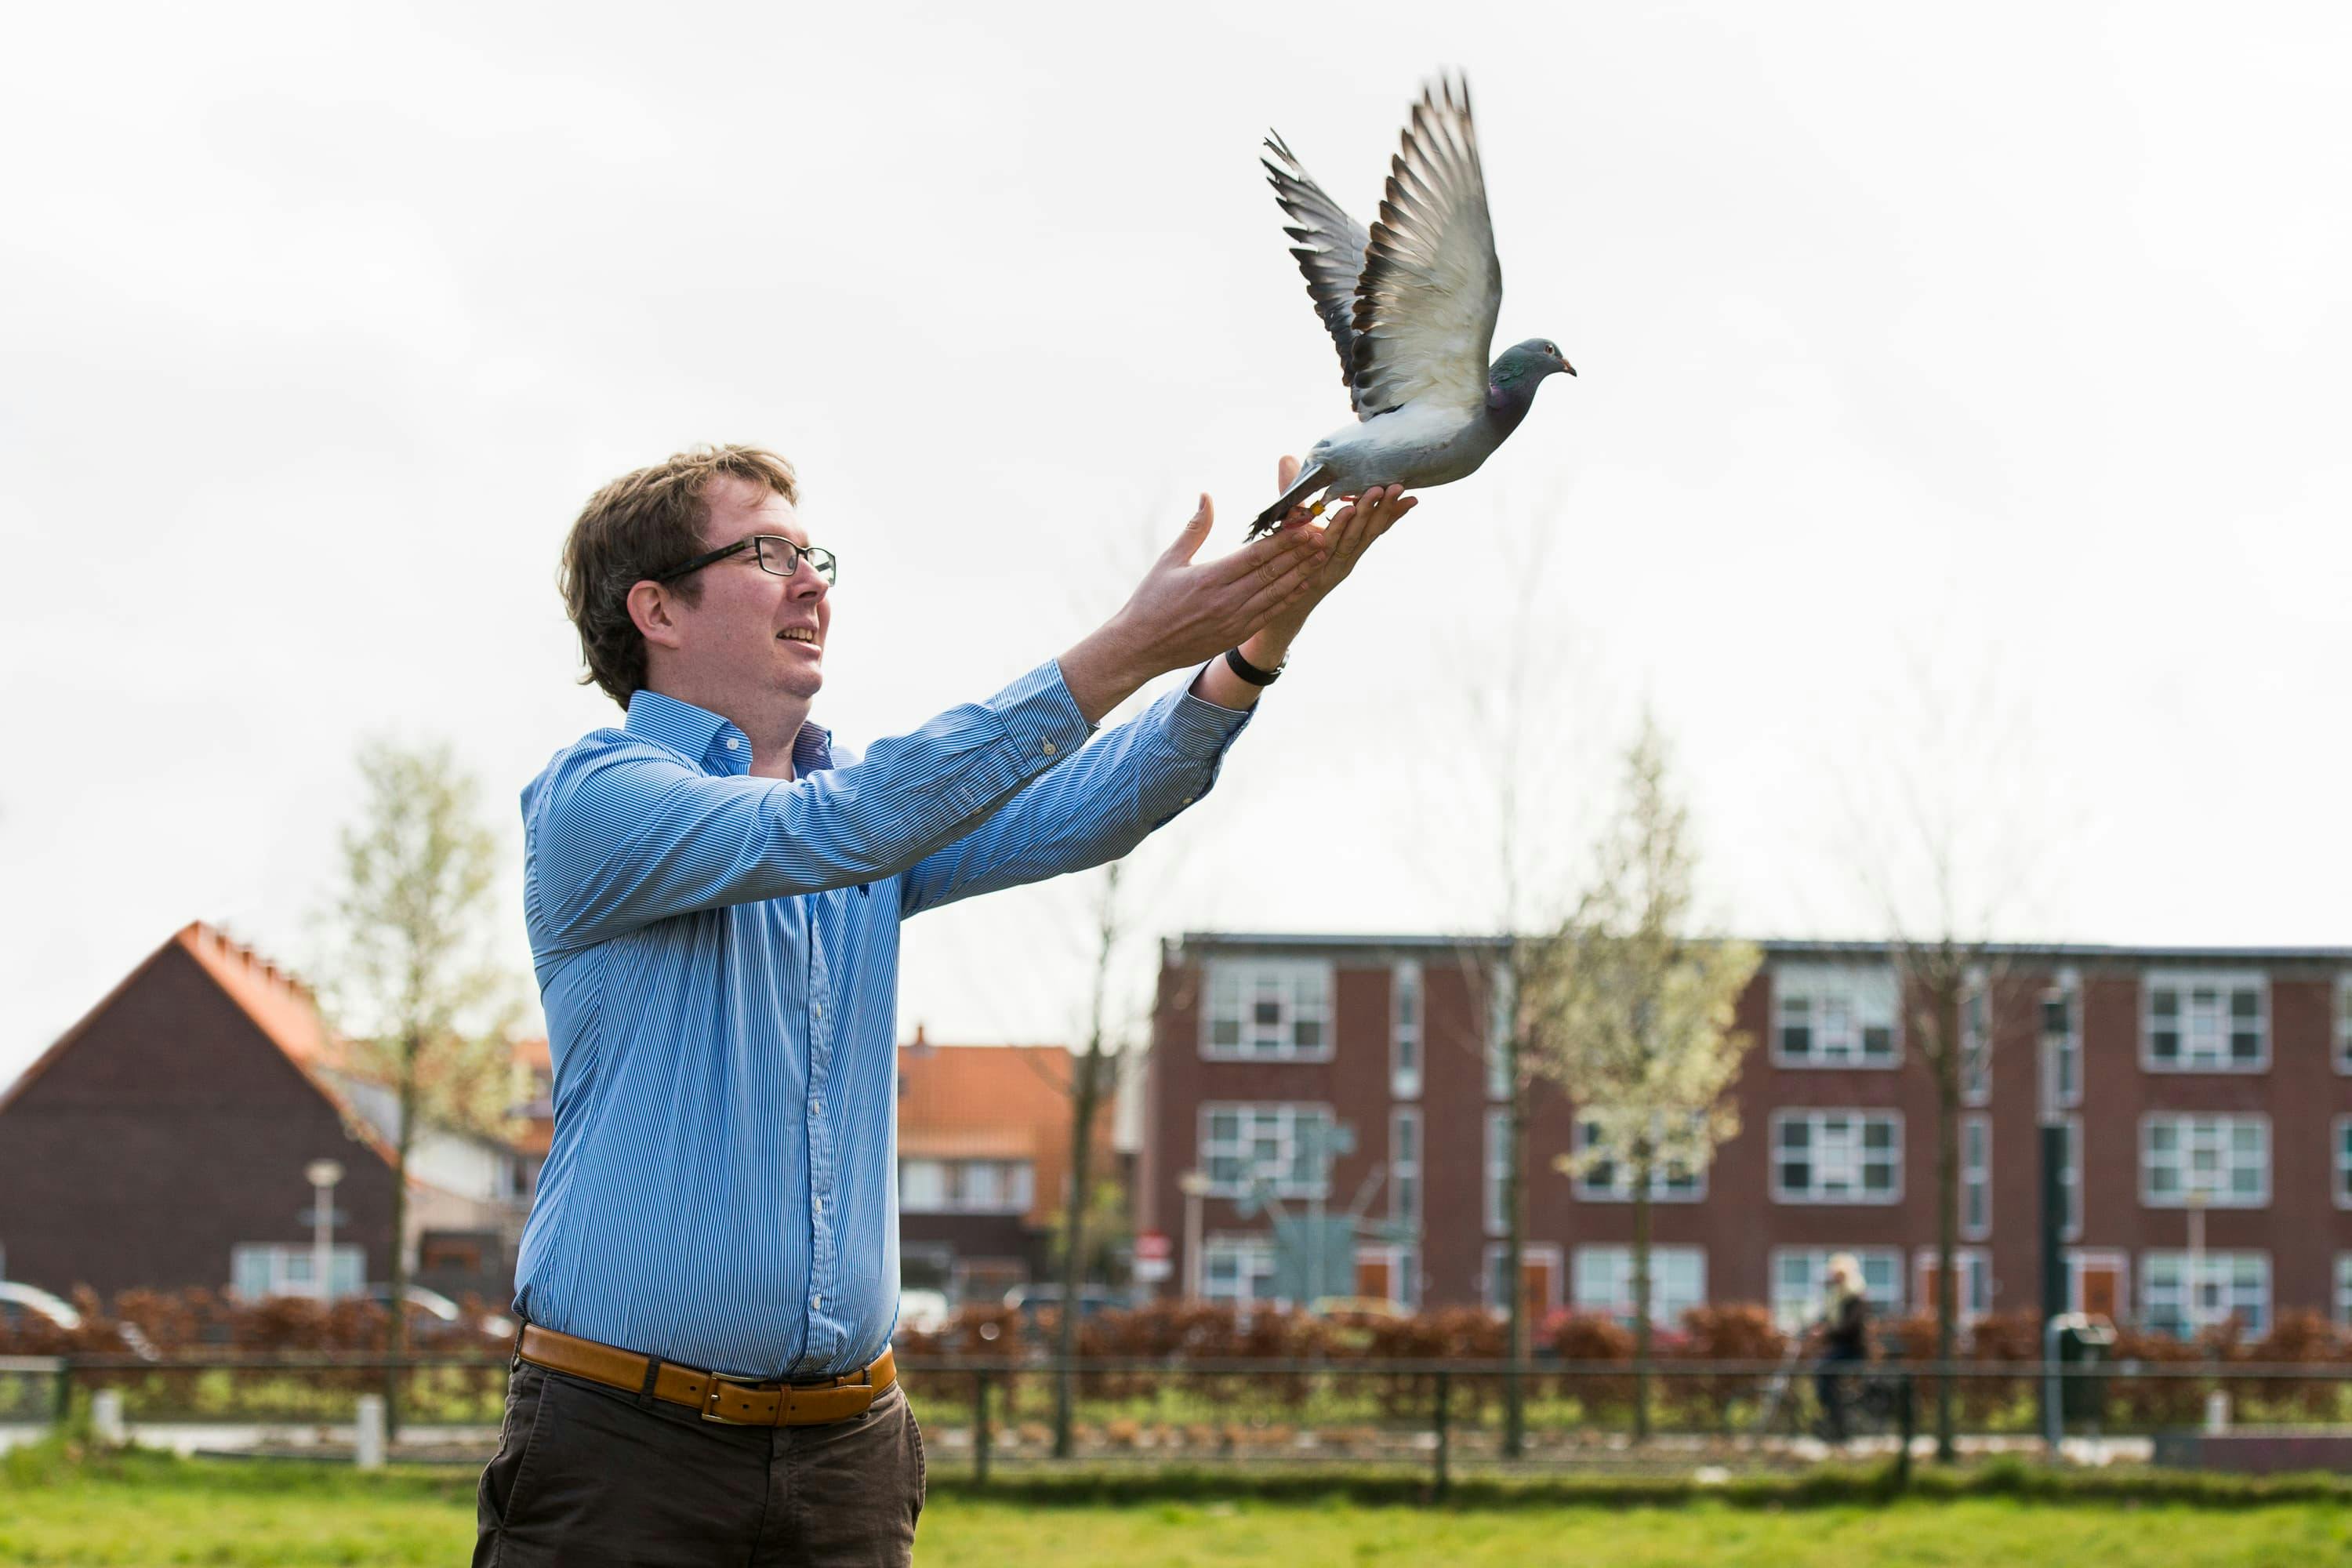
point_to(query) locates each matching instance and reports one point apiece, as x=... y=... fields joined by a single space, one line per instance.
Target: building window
x=1498 y=1171
x=1608 y=1181
x=2205 y=1023
x=257 y=1269
x=2344 y=1289
x=2069 y=1175
x=2225 y=1158
x=1269 y=1010
x=1285 y=1147
x=2063 y=1015
x=966 y=1186
x=1976 y=1281
x=1404 y=1169
x=1834 y=1016
x=1801 y=1282
x=1390 y=1273
x=2226 y=1285
x=1837 y=1156
x=1404 y=1030
x=1976 y=1040
x=2344 y=1024
x=1238 y=1269
x=1604 y=1282
x=1976 y=1176
x=1499 y=1009
x=2344 y=1161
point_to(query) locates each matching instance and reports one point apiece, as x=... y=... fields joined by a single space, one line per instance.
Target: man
x=1844 y=1330
x=710 y=1276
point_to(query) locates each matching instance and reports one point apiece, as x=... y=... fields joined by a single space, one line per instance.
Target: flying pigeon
x=1411 y=307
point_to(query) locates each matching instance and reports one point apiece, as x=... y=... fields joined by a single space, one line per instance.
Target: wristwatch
x=1251 y=672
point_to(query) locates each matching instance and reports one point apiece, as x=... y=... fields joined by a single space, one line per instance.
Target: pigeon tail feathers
x=1315 y=476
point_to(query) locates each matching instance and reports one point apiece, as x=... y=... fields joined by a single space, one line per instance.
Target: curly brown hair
x=641 y=524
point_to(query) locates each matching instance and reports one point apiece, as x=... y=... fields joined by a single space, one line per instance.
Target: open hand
x=1351 y=531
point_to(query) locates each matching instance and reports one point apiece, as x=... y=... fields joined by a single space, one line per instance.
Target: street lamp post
x=322 y=1175
x=1194 y=1186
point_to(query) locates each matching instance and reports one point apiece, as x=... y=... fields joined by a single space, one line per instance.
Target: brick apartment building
x=983 y=1163
x=2200 y=1089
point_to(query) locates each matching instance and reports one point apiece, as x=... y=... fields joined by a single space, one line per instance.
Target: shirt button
x=1049 y=748
x=820 y=1205
x=816 y=1302
x=816 y=1108
x=1188 y=800
x=733 y=744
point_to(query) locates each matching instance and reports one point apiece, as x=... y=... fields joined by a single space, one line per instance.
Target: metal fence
x=1436 y=1417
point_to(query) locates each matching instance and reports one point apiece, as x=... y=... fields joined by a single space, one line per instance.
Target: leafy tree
x=1633 y=1016
x=411 y=978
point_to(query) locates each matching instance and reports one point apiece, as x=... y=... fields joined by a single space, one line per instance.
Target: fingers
x=1194 y=533
x=1286 y=473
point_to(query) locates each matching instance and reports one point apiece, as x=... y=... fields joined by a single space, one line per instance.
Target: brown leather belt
x=730 y=1401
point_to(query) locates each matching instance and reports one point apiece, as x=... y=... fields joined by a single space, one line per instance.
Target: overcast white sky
x=2003 y=342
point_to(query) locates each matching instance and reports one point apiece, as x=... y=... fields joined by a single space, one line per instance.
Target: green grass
x=145 y=1510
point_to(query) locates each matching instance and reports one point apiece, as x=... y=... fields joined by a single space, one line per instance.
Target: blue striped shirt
x=718 y=955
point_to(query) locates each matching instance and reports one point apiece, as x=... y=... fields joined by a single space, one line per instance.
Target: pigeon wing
x=1329 y=248
x=1432 y=287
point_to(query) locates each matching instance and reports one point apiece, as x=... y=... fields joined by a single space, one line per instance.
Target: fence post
x=1444 y=1431
x=368 y=1432
x=106 y=1418
x=64 y=1409
x=1907 y=1410
x=980 y=1427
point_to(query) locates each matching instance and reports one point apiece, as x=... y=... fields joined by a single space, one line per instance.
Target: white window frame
x=1288 y=1115
x=1499 y=1007
x=1975 y=1038
x=2184 y=982
x=1613 y=1263
x=1818 y=1119
x=1974 y=1266
x=286 y=1268
x=2344 y=1289
x=2069 y=1180
x=2068 y=1090
x=1792 y=1312
x=2339 y=1149
x=1976 y=1176
x=1253 y=1255
x=1405 y=1193
x=1860 y=990
x=1408 y=1013
x=1619 y=1188
x=1301 y=989
x=1496 y=1170
x=1016 y=1180
x=2344 y=1023
x=2189 y=1126
x=2154 y=1261
x=1529 y=1252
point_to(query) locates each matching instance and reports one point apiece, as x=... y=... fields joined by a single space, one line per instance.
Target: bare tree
x=1633 y=1016
x=1093 y=1077
x=412 y=978
x=1949 y=822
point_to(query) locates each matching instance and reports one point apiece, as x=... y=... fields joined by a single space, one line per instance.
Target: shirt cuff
x=1040 y=718
x=1197 y=727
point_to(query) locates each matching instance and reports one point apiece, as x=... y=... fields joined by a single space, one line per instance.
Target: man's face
x=753 y=630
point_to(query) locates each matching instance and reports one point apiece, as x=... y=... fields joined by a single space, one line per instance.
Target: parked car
x=19 y=1302
x=1030 y=1300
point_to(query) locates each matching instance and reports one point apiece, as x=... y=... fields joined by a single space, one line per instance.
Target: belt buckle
x=711 y=1399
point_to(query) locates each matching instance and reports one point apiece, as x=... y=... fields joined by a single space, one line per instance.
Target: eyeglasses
x=776 y=554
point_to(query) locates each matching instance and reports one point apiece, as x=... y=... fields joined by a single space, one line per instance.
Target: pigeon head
x=1528 y=362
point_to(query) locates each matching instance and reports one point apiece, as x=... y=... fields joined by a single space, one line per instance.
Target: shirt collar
x=719 y=746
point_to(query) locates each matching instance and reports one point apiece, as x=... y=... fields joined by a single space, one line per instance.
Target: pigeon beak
x=1567 y=367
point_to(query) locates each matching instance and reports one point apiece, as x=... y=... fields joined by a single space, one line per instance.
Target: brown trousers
x=587 y=1475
